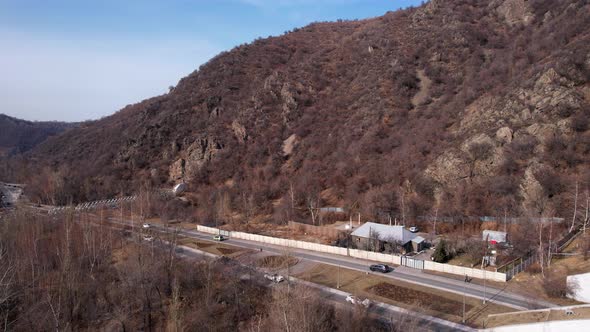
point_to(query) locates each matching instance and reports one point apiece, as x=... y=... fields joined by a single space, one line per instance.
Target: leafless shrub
x=555 y=285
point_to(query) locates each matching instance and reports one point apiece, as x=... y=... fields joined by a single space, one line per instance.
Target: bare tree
x=575 y=207
x=587 y=214
x=312 y=203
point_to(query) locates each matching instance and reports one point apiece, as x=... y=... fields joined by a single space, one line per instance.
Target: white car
x=148 y=238
x=274 y=277
x=146 y=225
x=414 y=229
x=355 y=300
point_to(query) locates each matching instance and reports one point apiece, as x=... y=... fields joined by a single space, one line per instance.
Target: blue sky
x=75 y=60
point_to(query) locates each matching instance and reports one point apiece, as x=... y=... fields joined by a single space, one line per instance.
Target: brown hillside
x=18 y=136
x=466 y=107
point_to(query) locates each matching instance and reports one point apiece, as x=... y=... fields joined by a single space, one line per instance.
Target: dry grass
x=430 y=301
x=277 y=262
x=531 y=284
x=463 y=260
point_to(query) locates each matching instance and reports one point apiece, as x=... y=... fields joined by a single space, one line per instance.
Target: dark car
x=380 y=268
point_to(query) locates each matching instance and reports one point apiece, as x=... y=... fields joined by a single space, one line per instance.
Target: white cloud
x=68 y=80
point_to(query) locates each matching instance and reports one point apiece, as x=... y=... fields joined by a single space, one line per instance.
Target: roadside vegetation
x=67 y=274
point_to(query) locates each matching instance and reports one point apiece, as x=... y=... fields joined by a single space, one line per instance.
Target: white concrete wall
x=461 y=270
x=362 y=254
x=209 y=230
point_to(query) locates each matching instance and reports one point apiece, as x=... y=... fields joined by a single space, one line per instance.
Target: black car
x=380 y=268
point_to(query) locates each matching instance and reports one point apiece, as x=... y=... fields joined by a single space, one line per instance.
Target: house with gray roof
x=380 y=237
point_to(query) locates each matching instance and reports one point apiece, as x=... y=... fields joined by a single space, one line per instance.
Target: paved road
x=384 y=312
x=493 y=295
x=406 y=274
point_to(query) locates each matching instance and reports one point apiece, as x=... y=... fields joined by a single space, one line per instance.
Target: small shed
x=494 y=237
x=418 y=243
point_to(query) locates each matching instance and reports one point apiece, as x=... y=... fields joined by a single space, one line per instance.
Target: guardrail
x=105 y=203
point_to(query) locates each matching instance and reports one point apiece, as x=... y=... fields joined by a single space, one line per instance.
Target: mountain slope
x=18 y=136
x=465 y=108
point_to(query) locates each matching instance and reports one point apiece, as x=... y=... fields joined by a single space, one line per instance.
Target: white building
x=494 y=236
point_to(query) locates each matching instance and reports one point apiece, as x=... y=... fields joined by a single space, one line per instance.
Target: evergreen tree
x=440 y=252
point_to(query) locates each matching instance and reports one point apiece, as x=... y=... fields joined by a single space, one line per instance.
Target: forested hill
x=18 y=136
x=459 y=107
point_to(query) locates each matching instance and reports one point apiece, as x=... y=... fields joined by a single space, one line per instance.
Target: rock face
x=239 y=131
x=289 y=144
x=516 y=12
x=504 y=135
x=450 y=97
x=449 y=168
x=194 y=157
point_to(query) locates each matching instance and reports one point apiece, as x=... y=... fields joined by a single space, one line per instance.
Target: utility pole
x=465 y=282
x=463 y=320
x=483 y=266
x=338 y=282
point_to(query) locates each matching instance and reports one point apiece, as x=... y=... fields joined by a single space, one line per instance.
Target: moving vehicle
x=355 y=300
x=414 y=229
x=146 y=225
x=274 y=277
x=380 y=268
x=219 y=238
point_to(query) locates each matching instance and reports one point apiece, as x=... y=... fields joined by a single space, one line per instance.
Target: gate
x=412 y=262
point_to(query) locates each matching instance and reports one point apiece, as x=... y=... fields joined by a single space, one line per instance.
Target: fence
x=516 y=266
x=413 y=263
x=561 y=244
x=361 y=254
x=106 y=203
x=482 y=219
x=520 y=264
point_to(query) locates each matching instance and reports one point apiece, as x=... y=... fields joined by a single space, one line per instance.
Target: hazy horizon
x=69 y=61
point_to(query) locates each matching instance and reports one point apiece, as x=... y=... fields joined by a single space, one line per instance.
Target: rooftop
x=385 y=232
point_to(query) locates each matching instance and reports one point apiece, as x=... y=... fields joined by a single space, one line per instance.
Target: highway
x=386 y=313
x=494 y=295
x=406 y=274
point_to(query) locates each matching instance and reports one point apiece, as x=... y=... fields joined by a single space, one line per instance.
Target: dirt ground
x=430 y=301
x=419 y=298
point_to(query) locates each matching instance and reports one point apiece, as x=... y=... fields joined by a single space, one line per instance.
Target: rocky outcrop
x=516 y=12
x=194 y=157
x=289 y=144
x=504 y=135
x=239 y=131
x=448 y=168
